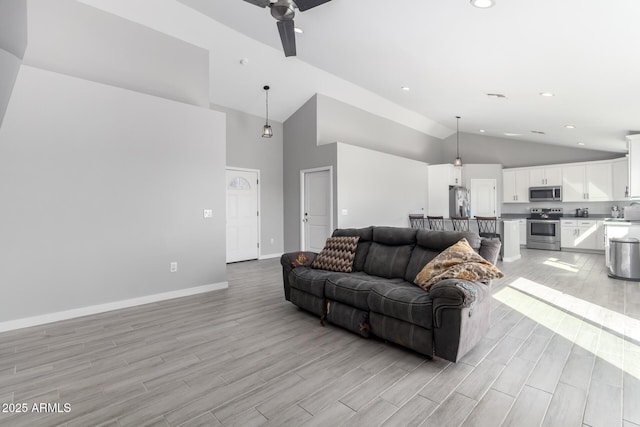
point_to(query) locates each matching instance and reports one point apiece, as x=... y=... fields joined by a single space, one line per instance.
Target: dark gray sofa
x=378 y=297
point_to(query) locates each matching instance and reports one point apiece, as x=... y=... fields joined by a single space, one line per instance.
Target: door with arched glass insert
x=242 y=215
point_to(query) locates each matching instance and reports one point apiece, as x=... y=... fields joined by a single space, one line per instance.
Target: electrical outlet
x=173 y=267
x=207 y=213
x=272 y=240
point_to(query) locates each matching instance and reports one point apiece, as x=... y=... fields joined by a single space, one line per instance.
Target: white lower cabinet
x=600 y=235
x=522 y=223
x=581 y=234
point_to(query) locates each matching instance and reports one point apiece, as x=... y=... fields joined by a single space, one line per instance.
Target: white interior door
x=483 y=197
x=242 y=215
x=316 y=209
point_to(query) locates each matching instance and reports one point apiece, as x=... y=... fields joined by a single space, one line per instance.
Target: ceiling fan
x=283 y=11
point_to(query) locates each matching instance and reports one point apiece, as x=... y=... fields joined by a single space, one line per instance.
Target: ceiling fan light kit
x=284 y=12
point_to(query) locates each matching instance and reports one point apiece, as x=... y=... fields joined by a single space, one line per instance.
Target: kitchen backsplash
x=569 y=208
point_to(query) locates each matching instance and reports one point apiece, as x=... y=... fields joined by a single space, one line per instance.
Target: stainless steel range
x=543 y=228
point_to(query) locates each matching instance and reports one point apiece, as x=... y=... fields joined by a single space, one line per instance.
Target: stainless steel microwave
x=545 y=194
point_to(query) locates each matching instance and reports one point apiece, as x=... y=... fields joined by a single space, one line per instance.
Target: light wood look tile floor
x=563 y=350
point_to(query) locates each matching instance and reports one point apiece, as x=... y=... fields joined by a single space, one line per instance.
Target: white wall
x=101 y=189
x=13 y=26
x=511 y=153
x=13 y=42
x=301 y=151
x=378 y=188
x=71 y=38
x=247 y=149
x=338 y=121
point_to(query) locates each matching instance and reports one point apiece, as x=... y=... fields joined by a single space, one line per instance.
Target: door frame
x=257 y=171
x=303 y=172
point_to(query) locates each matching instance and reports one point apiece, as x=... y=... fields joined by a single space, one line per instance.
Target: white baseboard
x=269 y=256
x=511 y=258
x=101 y=308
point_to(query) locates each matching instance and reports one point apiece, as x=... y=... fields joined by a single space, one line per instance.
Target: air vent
x=539 y=132
x=496 y=95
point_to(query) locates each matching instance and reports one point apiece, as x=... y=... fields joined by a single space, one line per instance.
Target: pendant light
x=458 y=160
x=267 y=132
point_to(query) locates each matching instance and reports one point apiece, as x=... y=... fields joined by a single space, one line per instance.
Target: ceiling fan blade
x=261 y=3
x=288 y=37
x=308 y=4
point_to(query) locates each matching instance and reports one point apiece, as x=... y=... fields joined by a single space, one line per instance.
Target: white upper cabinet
x=515 y=186
x=599 y=179
x=573 y=189
x=620 y=179
x=590 y=182
x=634 y=166
x=543 y=176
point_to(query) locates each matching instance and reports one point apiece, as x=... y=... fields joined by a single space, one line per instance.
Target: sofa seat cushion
x=403 y=301
x=311 y=280
x=352 y=289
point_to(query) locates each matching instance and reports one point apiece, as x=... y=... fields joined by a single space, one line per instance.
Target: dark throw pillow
x=337 y=255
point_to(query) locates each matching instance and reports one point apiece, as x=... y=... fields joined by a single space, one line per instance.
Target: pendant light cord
x=457 y=136
x=266 y=88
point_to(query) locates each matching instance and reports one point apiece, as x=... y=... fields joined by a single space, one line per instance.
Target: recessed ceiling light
x=511 y=134
x=547 y=94
x=298 y=30
x=482 y=131
x=497 y=95
x=483 y=4
x=405 y=88
x=580 y=143
x=570 y=126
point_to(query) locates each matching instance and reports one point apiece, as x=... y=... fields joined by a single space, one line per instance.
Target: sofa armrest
x=291 y=260
x=460 y=315
x=456 y=294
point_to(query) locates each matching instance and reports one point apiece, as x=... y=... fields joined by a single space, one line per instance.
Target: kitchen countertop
x=515 y=216
x=591 y=216
x=621 y=221
x=525 y=216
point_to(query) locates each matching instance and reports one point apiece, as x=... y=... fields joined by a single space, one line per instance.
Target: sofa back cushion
x=430 y=243
x=390 y=252
x=364 y=243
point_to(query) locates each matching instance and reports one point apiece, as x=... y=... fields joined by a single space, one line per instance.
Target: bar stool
x=416 y=220
x=488 y=227
x=436 y=223
x=460 y=223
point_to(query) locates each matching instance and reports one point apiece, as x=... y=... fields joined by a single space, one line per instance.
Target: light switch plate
x=208 y=213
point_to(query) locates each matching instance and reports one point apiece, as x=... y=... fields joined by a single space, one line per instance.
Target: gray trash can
x=624 y=262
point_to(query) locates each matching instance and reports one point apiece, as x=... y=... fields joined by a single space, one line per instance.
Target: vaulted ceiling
x=448 y=53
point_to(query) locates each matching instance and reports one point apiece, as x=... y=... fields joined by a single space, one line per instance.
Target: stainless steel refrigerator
x=459 y=202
